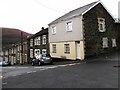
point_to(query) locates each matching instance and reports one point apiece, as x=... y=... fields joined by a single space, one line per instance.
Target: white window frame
x=54 y=30
x=37 y=53
x=44 y=50
x=114 y=43
x=67 y=48
x=101 y=23
x=31 y=42
x=31 y=53
x=37 y=40
x=105 y=42
x=69 y=26
x=44 y=37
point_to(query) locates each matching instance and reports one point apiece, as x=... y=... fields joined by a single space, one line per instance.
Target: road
x=97 y=74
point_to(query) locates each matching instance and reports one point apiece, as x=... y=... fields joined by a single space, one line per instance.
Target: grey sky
x=31 y=15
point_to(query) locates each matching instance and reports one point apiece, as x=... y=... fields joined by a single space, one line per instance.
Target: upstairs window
x=54 y=30
x=69 y=26
x=44 y=39
x=105 y=42
x=101 y=24
x=31 y=42
x=37 y=41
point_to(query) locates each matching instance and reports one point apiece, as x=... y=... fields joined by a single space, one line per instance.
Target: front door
x=78 y=50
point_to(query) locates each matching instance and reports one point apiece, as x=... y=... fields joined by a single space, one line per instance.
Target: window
x=37 y=40
x=31 y=42
x=18 y=48
x=101 y=22
x=105 y=42
x=44 y=39
x=54 y=30
x=37 y=53
x=69 y=26
x=67 y=48
x=44 y=51
x=18 y=56
x=114 y=43
x=54 y=48
x=31 y=53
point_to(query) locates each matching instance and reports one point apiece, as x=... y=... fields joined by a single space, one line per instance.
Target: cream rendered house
x=66 y=39
x=81 y=32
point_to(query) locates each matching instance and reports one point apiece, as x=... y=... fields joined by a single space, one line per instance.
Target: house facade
x=86 y=31
x=17 y=54
x=38 y=44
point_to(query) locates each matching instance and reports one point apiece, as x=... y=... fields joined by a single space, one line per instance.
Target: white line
x=4 y=83
x=43 y=69
x=22 y=67
x=29 y=72
x=62 y=65
x=8 y=67
x=52 y=67
x=34 y=71
x=40 y=67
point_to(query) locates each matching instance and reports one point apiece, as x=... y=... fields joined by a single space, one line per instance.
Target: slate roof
x=74 y=13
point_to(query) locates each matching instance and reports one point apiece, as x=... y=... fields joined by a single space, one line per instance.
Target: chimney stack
x=42 y=28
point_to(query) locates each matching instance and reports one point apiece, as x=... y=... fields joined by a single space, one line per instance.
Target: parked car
x=43 y=59
x=3 y=63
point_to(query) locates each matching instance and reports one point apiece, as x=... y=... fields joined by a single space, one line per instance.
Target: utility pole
x=21 y=48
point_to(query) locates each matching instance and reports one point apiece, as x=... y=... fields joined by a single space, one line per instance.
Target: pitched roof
x=74 y=13
x=78 y=12
x=41 y=32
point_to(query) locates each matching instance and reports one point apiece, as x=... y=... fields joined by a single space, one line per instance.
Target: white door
x=78 y=50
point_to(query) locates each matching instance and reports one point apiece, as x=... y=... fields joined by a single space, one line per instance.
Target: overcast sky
x=31 y=15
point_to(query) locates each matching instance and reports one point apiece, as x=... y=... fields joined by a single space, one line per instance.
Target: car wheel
x=39 y=63
x=33 y=64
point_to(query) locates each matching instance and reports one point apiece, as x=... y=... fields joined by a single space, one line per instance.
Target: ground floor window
x=105 y=42
x=18 y=56
x=31 y=53
x=114 y=43
x=67 y=48
x=54 y=48
x=37 y=53
x=44 y=51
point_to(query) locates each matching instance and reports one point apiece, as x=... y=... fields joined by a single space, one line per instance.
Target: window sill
x=67 y=52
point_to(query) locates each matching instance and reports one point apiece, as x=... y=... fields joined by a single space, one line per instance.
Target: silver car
x=44 y=59
x=3 y=63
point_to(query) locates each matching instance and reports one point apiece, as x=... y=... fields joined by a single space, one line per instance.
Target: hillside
x=11 y=36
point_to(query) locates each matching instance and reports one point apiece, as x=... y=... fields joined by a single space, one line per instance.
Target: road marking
x=4 y=83
x=29 y=72
x=62 y=65
x=43 y=69
x=22 y=67
x=8 y=67
x=34 y=71
x=52 y=67
x=40 y=67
